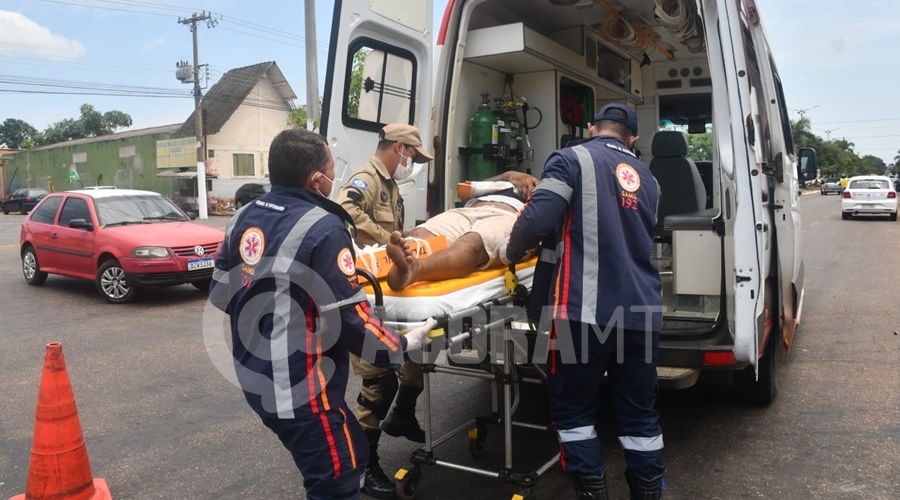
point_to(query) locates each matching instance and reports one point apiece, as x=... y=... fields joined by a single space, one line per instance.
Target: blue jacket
x=599 y=202
x=286 y=275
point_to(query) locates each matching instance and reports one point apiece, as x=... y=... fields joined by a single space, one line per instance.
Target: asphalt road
x=161 y=422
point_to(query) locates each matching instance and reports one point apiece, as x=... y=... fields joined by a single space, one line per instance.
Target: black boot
x=643 y=488
x=401 y=421
x=590 y=487
x=376 y=483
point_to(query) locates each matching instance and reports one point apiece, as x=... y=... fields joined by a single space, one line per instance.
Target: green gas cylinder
x=481 y=134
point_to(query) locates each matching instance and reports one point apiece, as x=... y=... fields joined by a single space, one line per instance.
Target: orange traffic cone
x=59 y=467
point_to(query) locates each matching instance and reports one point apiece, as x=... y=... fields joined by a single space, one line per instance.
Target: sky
x=838 y=60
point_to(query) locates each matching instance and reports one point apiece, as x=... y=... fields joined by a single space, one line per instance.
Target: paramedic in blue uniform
x=286 y=276
x=599 y=202
x=372 y=199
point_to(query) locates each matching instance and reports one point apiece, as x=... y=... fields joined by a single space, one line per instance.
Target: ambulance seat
x=680 y=184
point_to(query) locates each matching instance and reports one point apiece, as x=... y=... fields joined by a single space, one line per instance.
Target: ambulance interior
x=526 y=81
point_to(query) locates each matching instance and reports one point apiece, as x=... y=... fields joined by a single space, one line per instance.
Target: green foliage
x=298 y=117
x=700 y=146
x=91 y=123
x=14 y=133
x=356 y=81
x=836 y=157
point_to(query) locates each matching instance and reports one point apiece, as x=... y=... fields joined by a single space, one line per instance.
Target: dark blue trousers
x=329 y=448
x=581 y=355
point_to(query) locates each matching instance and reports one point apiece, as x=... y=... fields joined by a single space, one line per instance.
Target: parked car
x=121 y=239
x=831 y=185
x=869 y=195
x=23 y=200
x=249 y=192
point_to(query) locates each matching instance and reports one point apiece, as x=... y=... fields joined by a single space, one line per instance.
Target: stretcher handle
x=379 y=295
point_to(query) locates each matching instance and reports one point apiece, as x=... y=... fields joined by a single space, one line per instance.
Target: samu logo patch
x=628 y=177
x=253 y=244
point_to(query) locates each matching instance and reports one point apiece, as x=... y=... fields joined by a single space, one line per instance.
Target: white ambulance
x=505 y=82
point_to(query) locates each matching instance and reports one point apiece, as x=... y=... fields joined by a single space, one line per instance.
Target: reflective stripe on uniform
x=359 y=296
x=590 y=236
x=577 y=434
x=220 y=276
x=635 y=443
x=281 y=371
x=557 y=187
x=548 y=255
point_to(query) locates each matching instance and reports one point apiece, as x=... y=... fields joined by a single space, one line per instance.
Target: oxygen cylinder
x=481 y=132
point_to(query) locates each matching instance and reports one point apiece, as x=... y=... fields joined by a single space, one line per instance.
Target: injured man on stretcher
x=474 y=232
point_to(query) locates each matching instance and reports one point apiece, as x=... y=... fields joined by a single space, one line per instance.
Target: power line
x=861 y=121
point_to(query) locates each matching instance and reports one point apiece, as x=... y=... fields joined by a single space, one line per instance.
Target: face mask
x=326 y=178
x=403 y=169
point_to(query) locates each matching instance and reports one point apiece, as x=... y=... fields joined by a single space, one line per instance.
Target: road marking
x=814 y=223
x=8 y=246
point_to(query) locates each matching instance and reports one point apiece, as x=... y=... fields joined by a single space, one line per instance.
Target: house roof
x=224 y=98
x=164 y=129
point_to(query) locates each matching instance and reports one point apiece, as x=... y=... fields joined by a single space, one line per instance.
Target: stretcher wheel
x=477 y=439
x=407 y=482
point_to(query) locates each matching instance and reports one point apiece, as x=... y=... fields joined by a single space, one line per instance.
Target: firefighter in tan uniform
x=372 y=199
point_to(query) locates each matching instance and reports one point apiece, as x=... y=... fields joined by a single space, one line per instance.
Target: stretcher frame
x=505 y=373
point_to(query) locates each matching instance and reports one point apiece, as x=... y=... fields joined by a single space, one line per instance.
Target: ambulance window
x=691 y=114
x=759 y=119
x=782 y=109
x=380 y=85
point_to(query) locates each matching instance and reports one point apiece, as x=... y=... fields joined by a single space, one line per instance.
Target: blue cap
x=630 y=118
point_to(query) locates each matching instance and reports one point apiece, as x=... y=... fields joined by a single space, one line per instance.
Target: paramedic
x=285 y=275
x=474 y=234
x=600 y=202
x=372 y=199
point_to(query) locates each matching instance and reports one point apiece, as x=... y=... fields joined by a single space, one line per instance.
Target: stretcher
x=483 y=332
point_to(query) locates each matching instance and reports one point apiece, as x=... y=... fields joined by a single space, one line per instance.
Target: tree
x=94 y=123
x=91 y=123
x=13 y=132
x=62 y=131
x=298 y=117
x=876 y=164
x=356 y=81
x=803 y=135
x=700 y=146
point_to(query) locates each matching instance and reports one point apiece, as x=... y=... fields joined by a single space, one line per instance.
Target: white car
x=869 y=195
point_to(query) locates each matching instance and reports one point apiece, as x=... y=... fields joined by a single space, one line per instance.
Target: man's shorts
x=489 y=221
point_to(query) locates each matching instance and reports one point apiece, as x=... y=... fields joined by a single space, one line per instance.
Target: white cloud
x=22 y=37
x=149 y=46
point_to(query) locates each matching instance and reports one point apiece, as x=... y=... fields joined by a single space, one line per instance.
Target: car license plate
x=195 y=264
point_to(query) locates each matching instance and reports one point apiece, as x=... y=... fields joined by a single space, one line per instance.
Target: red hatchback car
x=121 y=239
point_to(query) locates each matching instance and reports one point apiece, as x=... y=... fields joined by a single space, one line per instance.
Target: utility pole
x=202 y=198
x=803 y=111
x=312 y=72
x=828 y=133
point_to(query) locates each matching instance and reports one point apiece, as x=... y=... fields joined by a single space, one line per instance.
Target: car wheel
x=31 y=269
x=111 y=283
x=238 y=204
x=5 y=211
x=845 y=215
x=202 y=285
x=894 y=216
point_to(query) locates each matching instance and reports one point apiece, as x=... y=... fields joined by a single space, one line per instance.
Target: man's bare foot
x=403 y=272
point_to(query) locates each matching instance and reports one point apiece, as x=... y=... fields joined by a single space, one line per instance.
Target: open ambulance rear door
x=787 y=186
x=379 y=71
x=742 y=210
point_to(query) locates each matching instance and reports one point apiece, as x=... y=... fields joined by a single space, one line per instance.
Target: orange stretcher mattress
x=436 y=299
